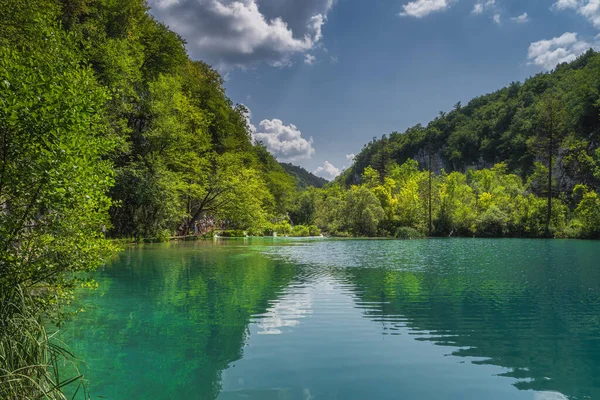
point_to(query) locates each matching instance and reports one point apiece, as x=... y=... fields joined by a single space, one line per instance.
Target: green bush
x=492 y=223
x=574 y=230
x=340 y=234
x=314 y=231
x=300 y=231
x=255 y=232
x=163 y=236
x=233 y=233
x=283 y=228
x=588 y=214
x=405 y=232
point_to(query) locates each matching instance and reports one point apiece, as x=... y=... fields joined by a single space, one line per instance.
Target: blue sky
x=323 y=77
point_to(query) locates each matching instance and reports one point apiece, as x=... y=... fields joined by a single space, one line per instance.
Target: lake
x=344 y=319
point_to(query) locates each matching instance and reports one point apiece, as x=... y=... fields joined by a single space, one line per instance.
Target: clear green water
x=345 y=319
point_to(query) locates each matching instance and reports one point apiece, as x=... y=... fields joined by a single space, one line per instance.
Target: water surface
x=344 y=319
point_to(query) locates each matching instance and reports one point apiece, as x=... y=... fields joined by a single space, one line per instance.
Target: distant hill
x=506 y=126
x=303 y=178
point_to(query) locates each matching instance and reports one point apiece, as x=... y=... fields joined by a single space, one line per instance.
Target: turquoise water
x=344 y=319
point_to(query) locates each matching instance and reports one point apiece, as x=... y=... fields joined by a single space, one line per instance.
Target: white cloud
x=327 y=171
x=590 y=9
x=549 y=53
x=239 y=33
x=422 y=8
x=521 y=19
x=350 y=157
x=480 y=8
x=283 y=141
x=565 y=4
x=477 y=8
x=309 y=59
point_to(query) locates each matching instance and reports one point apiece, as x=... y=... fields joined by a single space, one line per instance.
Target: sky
x=324 y=77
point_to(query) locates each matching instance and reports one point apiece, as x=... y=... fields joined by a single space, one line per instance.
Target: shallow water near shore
x=344 y=319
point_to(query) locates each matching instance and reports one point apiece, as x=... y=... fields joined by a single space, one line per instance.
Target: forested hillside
x=523 y=162
x=304 y=179
x=509 y=126
x=181 y=148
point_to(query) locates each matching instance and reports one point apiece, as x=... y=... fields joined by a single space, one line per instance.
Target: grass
x=30 y=358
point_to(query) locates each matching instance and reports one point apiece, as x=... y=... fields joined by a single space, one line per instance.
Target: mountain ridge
x=303 y=178
x=504 y=126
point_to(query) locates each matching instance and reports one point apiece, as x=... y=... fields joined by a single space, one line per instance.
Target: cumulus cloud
x=283 y=141
x=309 y=59
x=521 y=19
x=350 y=157
x=327 y=171
x=590 y=9
x=551 y=52
x=477 y=8
x=422 y=8
x=496 y=19
x=240 y=33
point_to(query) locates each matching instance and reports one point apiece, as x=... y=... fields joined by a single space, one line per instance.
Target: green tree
x=54 y=179
x=330 y=208
x=588 y=212
x=363 y=211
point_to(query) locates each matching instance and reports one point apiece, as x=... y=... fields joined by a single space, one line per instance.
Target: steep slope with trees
x=551 y=115
x=304 y=179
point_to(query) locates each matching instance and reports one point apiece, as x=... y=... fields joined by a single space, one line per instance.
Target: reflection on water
x=285 y=312
x=348 y=319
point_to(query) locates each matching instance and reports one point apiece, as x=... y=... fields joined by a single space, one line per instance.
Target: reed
x=31 y=360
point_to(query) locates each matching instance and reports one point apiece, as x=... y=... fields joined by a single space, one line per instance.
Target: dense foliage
x=304 y=179
x=488 y=202
x=54 y=175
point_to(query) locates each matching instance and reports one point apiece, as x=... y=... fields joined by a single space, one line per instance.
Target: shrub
x=163 y=236
x=493 y=222
x=314 y=231
x=233 y=233
x=255 y=232
x=340 y=234
x=283 y=228
x=405 y=232
x=300 y=231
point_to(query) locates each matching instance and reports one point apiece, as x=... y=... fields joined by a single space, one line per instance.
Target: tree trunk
x=430 y=198
x=550 y=159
